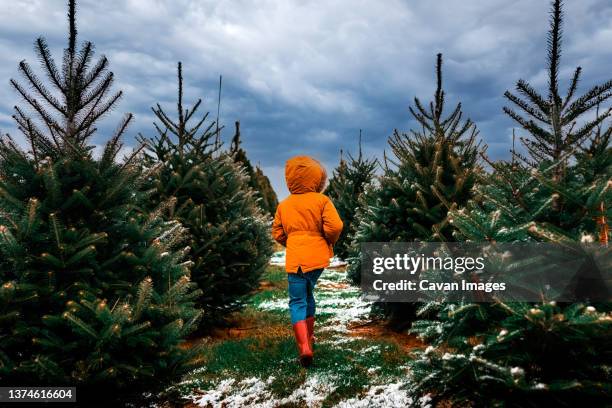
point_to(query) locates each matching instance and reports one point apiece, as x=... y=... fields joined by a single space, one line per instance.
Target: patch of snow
x=336 y=262
x=337 y=340
x=477 y=349
x=517 y=372
x=229 y=393
x=451 y=356
x=373 y=370
x=254 y=392
x=425 y=401
x=379 y=396
x=370 y=349
x=278 y=258
x=276 y=304
x=312 y=393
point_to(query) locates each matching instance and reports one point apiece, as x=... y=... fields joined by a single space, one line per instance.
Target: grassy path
x=253 y=363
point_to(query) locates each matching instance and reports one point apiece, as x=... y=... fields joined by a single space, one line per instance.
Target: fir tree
x=228 y=234
x=269 y=199
x=525 y=354
x=93 y=293
x=258 y=181
x=345 y=188
x=509 y=353
x=552 y=120
x=434 y=171
x=518 y=354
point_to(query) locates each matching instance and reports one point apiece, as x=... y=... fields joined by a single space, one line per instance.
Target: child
x=308 y=224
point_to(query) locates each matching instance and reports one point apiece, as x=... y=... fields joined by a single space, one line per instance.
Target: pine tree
x=345 y=187
x=433 y=172
x=228 y=234
x=526 y=354
x=94 y=293
x=258 y=181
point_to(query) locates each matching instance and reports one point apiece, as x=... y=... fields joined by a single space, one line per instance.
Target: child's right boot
x=300 y=329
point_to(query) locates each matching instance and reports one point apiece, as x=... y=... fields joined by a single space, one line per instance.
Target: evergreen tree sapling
x=258 y=181
x=269 y=199
x=517 y=354
x=551 y=121
x=559 y=190
x=228 y=234
x=345 y=187
x=434 y=171
x=93 y=293
x=525 y=354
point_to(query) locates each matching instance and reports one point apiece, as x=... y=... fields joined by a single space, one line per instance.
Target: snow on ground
x=253 y=392
x=278 y=258
x=388 y=395
x=312 y=392
x=343 y=312
x=230 y=394
x=341 y=303
x=341 y=306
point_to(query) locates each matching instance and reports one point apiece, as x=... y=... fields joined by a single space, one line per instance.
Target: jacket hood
x=304 y=175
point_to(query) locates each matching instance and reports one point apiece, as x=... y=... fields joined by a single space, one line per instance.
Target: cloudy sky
x=304 y=76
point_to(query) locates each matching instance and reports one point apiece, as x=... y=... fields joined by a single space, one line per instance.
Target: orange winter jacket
x=306 y=222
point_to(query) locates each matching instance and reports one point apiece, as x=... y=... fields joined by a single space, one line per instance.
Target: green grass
x=276 y=357
x=266 y=295
x=276 y=275
x=351 y=365
x=275 y=286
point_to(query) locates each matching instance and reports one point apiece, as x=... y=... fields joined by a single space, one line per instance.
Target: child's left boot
x=310 y=322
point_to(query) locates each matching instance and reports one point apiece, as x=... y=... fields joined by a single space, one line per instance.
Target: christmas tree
x=94 y=293
x=258 y=181
x=526 y=354
x=269 y=200
x=433 y=171
x=228 y=234
x=345 y=187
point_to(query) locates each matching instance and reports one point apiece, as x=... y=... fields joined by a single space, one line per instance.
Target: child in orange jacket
x=308 y=224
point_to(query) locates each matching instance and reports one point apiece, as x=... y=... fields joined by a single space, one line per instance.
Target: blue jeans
x=301 y=297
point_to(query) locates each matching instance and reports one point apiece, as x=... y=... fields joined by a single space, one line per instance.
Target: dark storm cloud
x=305 y=76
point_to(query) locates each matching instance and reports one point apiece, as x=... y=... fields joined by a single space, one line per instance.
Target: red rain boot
x=300 y=329
x=310 y=321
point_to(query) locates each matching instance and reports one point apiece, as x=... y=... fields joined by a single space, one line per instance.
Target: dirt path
x=253 y=363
